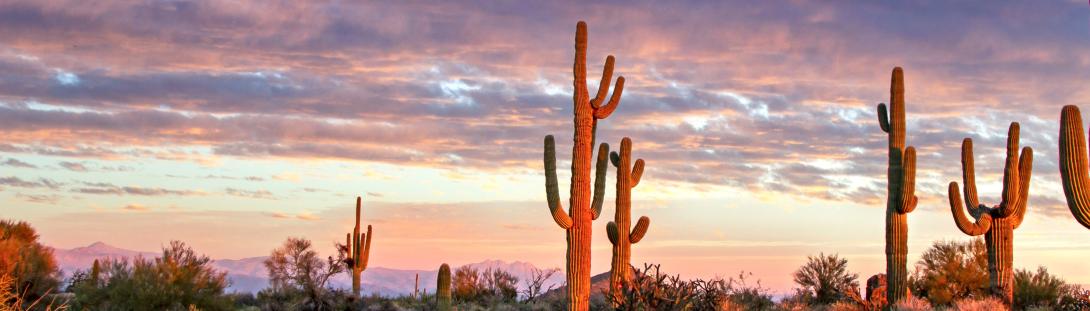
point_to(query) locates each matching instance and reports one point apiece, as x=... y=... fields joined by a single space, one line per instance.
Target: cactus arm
x=615 y=159
x=969 y=177
x=1073 y=164
x=639 y=230
x=365 y=253
x=908 y=190
x=883 y=117
x=612 y=232
x=604 y=111
x=551 y=185
x=603 y=86
x=983 y=223
x=1025 y=167
x=1010 y=174
x=637 y=172
x=599 y=181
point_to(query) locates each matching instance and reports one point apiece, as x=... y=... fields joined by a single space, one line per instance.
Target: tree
x=296 y=271
x=29 y=263
x=826 y=278
x=535 y=285
x=949 y=271
x=178 y=280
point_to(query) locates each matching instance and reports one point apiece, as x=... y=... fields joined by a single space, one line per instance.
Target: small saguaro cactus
x=442 y=289
x=901 y=189
x=359 y=250
x=996 y=223
x=628 y=176
x=577 y=221
x=1073 y=164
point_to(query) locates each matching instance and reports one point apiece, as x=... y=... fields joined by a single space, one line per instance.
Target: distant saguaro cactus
x=901 y=189
x=628 y=176
x=1073 y=164
x=996 y=223
x=359 y=250
x=442 y=289
x=577 y=221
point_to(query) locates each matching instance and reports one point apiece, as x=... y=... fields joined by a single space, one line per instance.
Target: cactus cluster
x=901 y=190
x=1073 y=164
x=996 y=223
x=359 y=250
x=577 y=221
x=622 y=238
x=442 y=289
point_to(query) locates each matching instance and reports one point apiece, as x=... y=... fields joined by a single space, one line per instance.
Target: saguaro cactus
x=359 y=250
x=1073 y=167
x=577 y=221
x=628 y=176
x=996 y=223
x=442 y=289
x=901 y=189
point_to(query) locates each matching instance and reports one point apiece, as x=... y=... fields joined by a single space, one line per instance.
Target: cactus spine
x=577 y=221
x=901 y=190
x=359 y=250
x=996 y=223
x=442 y=289
x=628 y=176
x=1073 y=167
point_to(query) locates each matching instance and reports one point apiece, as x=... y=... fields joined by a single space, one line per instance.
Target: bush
x=651 y=289
x=1038 y=289
x=826 y=279
x=298 y=277
x=32 y=267
x=984 y=304
x=483 y=288
x=178 y=280
x=950 y=271
x=912 y=303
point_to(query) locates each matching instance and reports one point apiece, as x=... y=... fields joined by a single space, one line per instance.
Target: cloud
x=73 y=166
x=136 y=207
x=256 y=194
x=13 y=162
x=13 y=181
x=785 y=107
x=307 y=216
x=50 y=199
x=108 y=188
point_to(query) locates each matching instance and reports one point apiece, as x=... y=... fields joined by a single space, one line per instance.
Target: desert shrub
x=31 y=265
x=1074 y=299
x=298 y=277
x=490 y=288
x=1038 y=289
x=535 y=285
x=826 y=279
x=950 y=271
x=177 y=280
x=651 y=289
x=912 y=303
x=981 y=304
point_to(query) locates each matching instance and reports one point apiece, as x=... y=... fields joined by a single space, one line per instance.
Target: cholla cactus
x=1073 y=164
x=442 y=289
x=358 y=246
x=577 y=221
x=996 y=223
x=901 y=190
x=628 y=176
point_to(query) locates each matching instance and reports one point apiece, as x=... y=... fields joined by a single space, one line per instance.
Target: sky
x=232 y=125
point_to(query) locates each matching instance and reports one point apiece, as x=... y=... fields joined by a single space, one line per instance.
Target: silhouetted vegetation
x=178 y=280
x=31 y=266
x=825 y=279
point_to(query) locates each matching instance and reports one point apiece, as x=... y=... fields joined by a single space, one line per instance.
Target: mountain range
x=249 y=274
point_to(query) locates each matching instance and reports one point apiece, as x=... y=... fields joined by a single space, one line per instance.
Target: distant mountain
x=249 y=274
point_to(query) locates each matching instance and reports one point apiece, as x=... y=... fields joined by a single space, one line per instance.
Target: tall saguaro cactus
x=901 y=189
x=442 y=289
x=577 y=221
x=996 y=223
x=628 y=176
x=359 y=250
x=1073 y=164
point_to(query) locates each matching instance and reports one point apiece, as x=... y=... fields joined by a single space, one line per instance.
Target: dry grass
x=11 y=301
